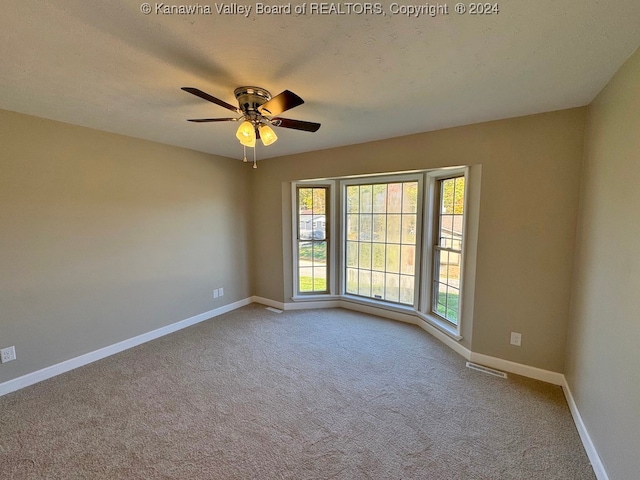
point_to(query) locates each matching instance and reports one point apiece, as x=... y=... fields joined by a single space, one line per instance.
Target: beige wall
x=104 y=237
x=603 y=359
x=528 y=210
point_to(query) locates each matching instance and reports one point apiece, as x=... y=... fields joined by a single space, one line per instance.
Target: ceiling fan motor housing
x=250 y=99
x=257 y=106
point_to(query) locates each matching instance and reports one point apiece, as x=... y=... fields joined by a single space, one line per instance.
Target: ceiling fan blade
x=295 y=124
x=206 y=96
x=281 y=103
x=202 y=120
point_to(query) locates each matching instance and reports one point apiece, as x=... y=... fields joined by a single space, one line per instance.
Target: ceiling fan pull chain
x=244 y=151
x=255 y=165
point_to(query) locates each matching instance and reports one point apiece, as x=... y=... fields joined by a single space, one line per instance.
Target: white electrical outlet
x=216 y=293
x=221 y=290
x=516 y=339
x=8 y=354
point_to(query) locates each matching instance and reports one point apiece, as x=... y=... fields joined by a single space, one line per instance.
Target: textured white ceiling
x=106 y=65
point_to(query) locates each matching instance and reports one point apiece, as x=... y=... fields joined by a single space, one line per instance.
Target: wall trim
x=380 y=312
x=448 y=340
x=592 y=453
x=305 y=305
x=548 y=376
x=73 y=363
x=268 y=302
x=555 y=378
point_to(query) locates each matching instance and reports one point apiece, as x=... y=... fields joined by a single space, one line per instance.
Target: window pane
x=319 y=253
x=352 y=226
x=306 y=226
x=448 y=192
x=305 y=252
x=447 y=257
x=365 y=256
x=305 y=200
x=377 y=285
x=312 y=239
x=319 y=279
x=352 y=280
x=379 y=227
x=378 y=256
x=441 y=298
x=364 y=283
x=392 y=287
x=409 y=229
x=443 y=259
x=393 y=228
x=365 y=228
x=305 y=279
x=352 y=254
x=406 y=289
x=319 y=206
x=393 y=258
x=450 y=268
x=446 y=231
x=410 y=197
x=366 y=200
x=353 y=199
x=319 y=227
x=453 y=296
x=394 y=197
x=456 y=231
x=407 y=259
x=385 y=217
x=379 y=198
x=458 y=201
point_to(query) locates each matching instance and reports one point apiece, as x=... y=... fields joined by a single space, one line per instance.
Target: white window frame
x=342 y=218
x=330 y=219
x=425 y=231
x=431 y=224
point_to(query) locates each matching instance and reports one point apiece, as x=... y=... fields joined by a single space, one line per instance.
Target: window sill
x=379 y=304
x=431 y=320
x=441 y=325
x=315 y=297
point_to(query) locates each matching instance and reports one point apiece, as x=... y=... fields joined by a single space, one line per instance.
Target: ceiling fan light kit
x=246 y=134
x=257 y=109
x=267 y=135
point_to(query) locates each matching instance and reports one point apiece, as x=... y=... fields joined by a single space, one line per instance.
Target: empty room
x=300 y=240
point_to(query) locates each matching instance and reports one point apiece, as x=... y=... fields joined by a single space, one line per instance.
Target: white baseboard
x=268 y=302
x=380 y=312
x=450 y=342
x=548 y=376
x=312 y=304
x=68 y=365
x=592 y=453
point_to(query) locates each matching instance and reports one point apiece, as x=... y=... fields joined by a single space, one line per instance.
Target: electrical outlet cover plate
x=8 y=354
x=516 y=339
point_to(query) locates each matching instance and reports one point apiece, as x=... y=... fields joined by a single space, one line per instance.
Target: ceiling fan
x=257 y=110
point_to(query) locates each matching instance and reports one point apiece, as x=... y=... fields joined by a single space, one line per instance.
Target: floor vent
x=487 y=370
x=274 y=310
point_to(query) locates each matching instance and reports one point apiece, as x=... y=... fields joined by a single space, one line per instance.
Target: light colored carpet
x=315 y=394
